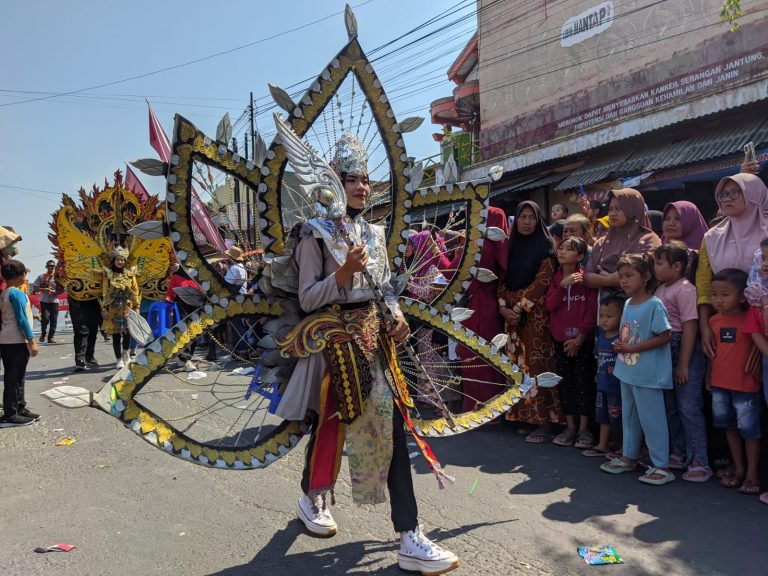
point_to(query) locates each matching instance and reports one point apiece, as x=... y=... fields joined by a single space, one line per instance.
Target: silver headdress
x=350 y=156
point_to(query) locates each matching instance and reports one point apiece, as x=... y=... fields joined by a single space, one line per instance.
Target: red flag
x=157 y=138
x=201 y=221
x=133 y=184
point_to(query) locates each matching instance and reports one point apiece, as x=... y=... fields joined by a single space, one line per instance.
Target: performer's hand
x=357 y=258
x=399 y=330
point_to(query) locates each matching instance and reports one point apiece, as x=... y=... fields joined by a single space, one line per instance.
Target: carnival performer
x=347 y=382
x=120 y=291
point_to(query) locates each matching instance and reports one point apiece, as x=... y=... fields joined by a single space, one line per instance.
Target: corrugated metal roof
x=703 y=144
x=596 y=171
x=530 y=184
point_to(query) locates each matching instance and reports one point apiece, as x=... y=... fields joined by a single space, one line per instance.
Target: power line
x=184 y=64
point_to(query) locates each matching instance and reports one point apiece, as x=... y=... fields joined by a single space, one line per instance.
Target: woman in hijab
x=430 y=269
x=683 y=222
x=630 y=233
x=480 y=382
x=530 y=267
x=743 y=199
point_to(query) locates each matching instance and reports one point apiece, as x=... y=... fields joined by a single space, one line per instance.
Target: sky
x=56 y=145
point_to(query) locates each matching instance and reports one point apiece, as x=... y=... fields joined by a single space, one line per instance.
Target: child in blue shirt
x=608 y=401
x=17 y=344
x=644 y=368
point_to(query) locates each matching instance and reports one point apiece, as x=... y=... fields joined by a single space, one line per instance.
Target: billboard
x=553 y=72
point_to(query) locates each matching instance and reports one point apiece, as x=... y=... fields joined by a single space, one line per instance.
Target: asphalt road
x=131 y=509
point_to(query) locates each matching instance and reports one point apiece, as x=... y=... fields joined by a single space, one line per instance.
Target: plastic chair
x=162 y=315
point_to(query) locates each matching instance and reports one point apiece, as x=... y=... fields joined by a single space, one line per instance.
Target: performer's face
x=120 y=262
x=358 y=190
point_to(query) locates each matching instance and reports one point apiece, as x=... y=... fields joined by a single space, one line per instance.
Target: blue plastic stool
x=159 y=317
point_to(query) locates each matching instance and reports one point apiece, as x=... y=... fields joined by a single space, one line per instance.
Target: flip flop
x=617 y=466
x=764 y=497
x=666 y=477
x=585 y=439
x=565 y=438
x=595 y=453
x=536 y=437
x=693 y=474
x=750 y=488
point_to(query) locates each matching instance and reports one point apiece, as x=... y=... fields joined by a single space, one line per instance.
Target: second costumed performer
x=347 y=382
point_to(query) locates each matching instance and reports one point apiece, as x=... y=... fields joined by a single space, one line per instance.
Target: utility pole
x=237 y=190
x=248 y=195
x=253 y=154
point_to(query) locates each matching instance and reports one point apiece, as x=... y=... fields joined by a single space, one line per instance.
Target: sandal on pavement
x=764 y=497
x=697 y=474
x=732 y=481
x=539 y=437
x=595 y=453
x=565 y=438
x=750 y=488
x=585 y=439
x=617 y=466
x=662 y=477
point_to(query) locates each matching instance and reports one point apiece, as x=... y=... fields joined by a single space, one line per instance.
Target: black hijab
x=526 y=253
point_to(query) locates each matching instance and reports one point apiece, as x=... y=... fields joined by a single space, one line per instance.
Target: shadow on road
x=361 y=557
x=698 y=518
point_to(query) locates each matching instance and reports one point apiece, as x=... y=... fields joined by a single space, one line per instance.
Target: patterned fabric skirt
x=530 y=347
x=370 y=444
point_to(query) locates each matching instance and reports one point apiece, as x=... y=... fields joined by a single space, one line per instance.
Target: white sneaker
x=126 y=357
x=189 y=366
x=419 y=554
x=316 y=516
x=120 y=363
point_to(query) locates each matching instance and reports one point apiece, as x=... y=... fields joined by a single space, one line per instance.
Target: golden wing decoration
x=79 y=253
x=152 y=258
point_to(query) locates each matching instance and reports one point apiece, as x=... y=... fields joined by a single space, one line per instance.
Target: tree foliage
x=731 y=12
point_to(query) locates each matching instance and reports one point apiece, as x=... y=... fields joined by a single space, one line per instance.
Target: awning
x=667 y=150
x=530 y=184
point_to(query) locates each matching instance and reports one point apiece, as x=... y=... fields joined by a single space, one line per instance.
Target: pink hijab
x=732 y=243
x=692 y=222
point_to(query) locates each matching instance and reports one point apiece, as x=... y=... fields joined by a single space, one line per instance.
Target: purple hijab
x=693 y=223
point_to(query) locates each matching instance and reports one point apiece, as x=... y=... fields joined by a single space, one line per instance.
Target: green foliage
x=731 y=12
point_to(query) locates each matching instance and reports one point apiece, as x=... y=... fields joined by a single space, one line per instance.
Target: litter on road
x=599 y=555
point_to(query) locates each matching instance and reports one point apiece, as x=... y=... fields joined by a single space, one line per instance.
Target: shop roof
x=668 y=149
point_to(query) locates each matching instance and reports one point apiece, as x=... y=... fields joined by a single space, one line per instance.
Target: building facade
x=586 y=95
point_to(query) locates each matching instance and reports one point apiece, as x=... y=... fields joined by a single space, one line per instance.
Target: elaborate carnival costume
x=347 y=373
x=336 y=371
x=88 y=238
x=120 y=293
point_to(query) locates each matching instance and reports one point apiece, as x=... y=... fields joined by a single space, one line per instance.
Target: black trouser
x=123 y=337
x=15 y=358
x=86 y=317
x=577 y=389
x=405 y=512
x=49 y=314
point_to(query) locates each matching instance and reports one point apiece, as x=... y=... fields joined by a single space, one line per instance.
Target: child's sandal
x=584 y=440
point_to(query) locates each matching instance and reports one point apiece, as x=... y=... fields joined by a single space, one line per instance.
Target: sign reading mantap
x=587 y=24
